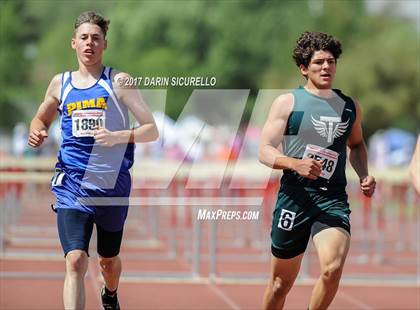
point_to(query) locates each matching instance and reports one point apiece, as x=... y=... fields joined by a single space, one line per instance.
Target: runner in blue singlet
x=92 y=182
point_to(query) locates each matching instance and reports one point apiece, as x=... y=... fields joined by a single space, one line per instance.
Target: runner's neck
x=86 y=77
x=324 y=93
x=87 y=72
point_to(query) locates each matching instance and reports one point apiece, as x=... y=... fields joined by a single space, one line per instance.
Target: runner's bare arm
x=270 y=153
x=130 y=96
x=415 y=167
x=46 y=113
x=358 y=155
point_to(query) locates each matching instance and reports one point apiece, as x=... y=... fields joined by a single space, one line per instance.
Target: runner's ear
x=73 y=43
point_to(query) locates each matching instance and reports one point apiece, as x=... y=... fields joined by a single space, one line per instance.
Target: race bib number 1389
x=84 y=122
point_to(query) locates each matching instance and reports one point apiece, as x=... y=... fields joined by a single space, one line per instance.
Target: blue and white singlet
x=85 y=169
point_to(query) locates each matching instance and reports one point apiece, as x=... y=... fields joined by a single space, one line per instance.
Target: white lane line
x=224 y=297
x=32 y=256
x=30 y=275
x=357 y=302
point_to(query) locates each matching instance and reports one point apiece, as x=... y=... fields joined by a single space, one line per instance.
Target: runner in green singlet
x=306 y=134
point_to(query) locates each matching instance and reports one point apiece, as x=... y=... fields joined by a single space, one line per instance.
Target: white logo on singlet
x=325 y=127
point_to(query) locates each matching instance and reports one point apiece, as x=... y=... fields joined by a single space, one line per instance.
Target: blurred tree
x=382 y=72
x=244 y=44
x=18 y=32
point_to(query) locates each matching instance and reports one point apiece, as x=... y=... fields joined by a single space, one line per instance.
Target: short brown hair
x=310 y=42
x=93 y=18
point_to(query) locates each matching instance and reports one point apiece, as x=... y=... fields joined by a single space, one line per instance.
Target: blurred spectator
x=390 y=148
x=192 y=139
x=19 y=139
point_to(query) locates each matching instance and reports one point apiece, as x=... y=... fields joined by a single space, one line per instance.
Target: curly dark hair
x=93 y=18
x=310 y=42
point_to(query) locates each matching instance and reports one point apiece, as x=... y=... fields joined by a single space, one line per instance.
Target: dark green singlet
x=317 y=128
x=325 y=124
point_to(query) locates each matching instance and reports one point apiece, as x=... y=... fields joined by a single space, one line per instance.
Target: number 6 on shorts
x=286 y=219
